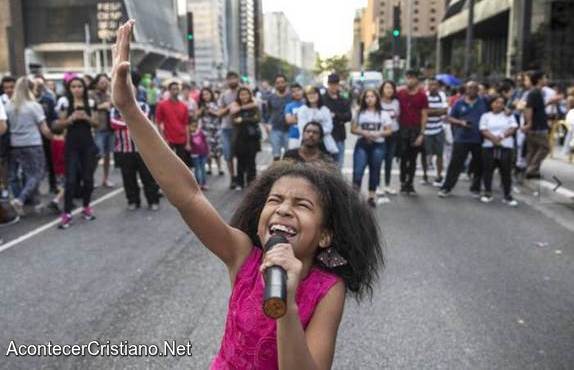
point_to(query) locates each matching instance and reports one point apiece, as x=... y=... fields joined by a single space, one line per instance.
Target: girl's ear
x=326 y=238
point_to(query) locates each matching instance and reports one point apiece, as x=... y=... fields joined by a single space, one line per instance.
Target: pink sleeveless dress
x=249 y=341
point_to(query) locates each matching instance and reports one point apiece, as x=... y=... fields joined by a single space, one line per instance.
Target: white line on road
x=50 y=224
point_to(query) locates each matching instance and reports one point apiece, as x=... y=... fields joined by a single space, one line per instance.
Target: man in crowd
x=434 y=132
x=104 y=133
x=291 y=114
x=310 y=149
x=46 y=100
x=465 y=117
x=173 y=119
x=341 y=112
x=412 y=122
x=536 y=126
x=279 y=129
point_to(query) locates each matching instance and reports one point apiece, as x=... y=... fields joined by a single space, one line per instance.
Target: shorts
x=226 y=143
x=105 y=141
x=434 y=144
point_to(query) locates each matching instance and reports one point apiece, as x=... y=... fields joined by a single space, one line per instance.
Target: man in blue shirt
x=276 y=103
x=465 y=119
x=291 y=113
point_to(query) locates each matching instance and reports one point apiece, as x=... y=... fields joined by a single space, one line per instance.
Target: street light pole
x=409 y=32
x=469 y=39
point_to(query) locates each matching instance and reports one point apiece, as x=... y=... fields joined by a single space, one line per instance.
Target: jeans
x=105 y=142
x=199 y=162
x=226 y=143
x=130 y=165
x=500 y=158
x=409 y=153
x=32 y=162
x=460 y=152
x=279 y=140
x=340 y=157
x=390 y=147
x=370 y=154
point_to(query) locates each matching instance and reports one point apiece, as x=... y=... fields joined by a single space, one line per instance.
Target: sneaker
x=65 y=221
x=154 y=207
x=4 y=194
x=438 y=182
x=443 y=193
x=108 y=184
x=54 y=207
x=221 y=173
x=425 y=181
x=383 y=200
x=475 y=194
x=18 y=206
x=372 y=202
x=389 y=191
x=88 y=214
x=232 y=185
x=208 y=172
x=404 y=190
x=133 y=207
x=411 y=191
x=486 y=198
x=510 y=201
x=238 y=187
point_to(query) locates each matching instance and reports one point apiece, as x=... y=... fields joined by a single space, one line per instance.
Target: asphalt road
x=466 y=286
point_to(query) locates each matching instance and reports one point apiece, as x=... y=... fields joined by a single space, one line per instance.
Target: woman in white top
x=315 y=111
x=498 y=129
x=390 y=104
x=372 y=125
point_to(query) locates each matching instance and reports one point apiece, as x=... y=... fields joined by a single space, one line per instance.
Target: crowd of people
x=475 y=128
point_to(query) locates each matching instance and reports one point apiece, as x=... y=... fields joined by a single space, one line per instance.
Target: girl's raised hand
x=282 y=255
x=122 y=88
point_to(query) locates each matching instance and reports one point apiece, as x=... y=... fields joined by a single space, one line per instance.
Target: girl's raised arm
x=231 y=245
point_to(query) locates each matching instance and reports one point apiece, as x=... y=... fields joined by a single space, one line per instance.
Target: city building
x=210 y=39
x=509 y=36
x=356 y=53
x=58 y=35
x=308 y=55
x=281 y=39
x=244 y=38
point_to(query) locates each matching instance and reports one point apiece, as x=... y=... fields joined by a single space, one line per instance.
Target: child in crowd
x=199 y=153
x=333 y=244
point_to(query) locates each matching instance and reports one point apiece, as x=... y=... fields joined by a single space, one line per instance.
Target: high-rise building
x=243 y=36
x=420 y=17
x=308 y=55
x=58 y=35
x=210 y=39
x=281 y=39
x=356 y=56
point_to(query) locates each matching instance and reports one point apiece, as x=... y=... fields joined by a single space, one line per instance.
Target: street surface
x=466 y=286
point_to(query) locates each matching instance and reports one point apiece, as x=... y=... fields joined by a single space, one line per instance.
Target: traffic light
x=396 y=21
x=189 y=36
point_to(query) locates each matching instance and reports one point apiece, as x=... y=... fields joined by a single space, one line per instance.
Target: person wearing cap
x=340 y=112
x=412 y=123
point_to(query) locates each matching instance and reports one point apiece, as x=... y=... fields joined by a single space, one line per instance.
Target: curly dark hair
x=355 y=232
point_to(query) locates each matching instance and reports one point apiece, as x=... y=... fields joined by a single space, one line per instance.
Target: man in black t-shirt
x=536 y=127
x=341 y=113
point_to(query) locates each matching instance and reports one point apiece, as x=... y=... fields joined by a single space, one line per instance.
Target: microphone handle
x=275 y=295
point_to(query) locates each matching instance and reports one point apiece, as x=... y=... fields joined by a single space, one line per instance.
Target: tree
x=338 y=64
x=272 y=66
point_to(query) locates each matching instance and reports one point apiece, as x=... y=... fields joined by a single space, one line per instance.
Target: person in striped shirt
x=131 y=163
x=434 y=131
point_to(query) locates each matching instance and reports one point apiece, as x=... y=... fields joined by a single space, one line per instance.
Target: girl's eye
x=272 y=200
x=305 y=205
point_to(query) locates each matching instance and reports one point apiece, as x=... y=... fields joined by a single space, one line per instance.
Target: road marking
x=51 y=224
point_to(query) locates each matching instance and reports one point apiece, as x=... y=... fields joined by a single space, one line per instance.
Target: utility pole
x=409 y=10
x=469 y=39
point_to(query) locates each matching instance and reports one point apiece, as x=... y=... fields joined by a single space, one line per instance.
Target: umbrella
x=448 y=79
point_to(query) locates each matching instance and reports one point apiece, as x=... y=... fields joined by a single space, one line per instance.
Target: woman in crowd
x=314 y=110
x=76 y=116
x=246 y=137
x=372 y=125
x=208 y=118
x=390 y=104
x=498 y=130
x=26 y=122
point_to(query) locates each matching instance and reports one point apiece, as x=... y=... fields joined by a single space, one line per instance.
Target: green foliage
x=271 y=66
x=338 y=64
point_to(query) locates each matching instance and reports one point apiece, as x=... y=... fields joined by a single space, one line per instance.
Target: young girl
x=246 y=137
x=199 y=152
x=80 y=151
x=208 y=117
x=498 y=130
x=333 y=245
x=372 y=125
x=390 y=104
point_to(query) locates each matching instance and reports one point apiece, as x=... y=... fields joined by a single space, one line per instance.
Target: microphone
x=275 y=296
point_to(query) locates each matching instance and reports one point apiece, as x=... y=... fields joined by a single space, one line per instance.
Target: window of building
x=432 y=19
x=416 y=20
x=416 y=29
x=432 y=28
